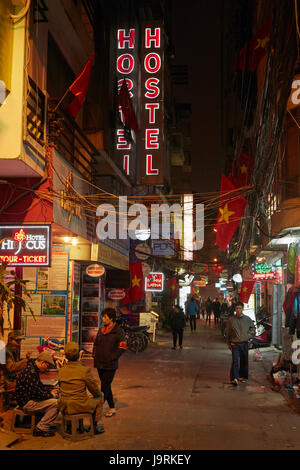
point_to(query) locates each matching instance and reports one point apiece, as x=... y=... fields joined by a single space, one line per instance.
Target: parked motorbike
x=263 y=338
x=137 y=337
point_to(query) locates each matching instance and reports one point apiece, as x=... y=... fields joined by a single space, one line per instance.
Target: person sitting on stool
x=74 y=380
x=35 y=397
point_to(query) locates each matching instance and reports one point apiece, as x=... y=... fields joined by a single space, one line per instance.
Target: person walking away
x=75 y=380
x=208 y=308
x=13 y=363
x=108 y=347
x=239 y=329
x=34 y=397
x=178 y=323
x=192 y=311
x=216 y=311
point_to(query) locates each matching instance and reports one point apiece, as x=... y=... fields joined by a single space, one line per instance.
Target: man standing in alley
x=239 y=329
x=192 y=311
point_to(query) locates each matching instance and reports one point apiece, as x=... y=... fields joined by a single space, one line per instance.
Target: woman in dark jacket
x=108 y=347
x=178 y=322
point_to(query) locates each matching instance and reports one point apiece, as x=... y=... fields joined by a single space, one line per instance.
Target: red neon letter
x=122 y=142
x=152 y=139
x=153 y=90
x=122 y=38
x=121 y=61
x=129 y=84
x=152 y=107
x=152 y=37
x=157 y=61
x=149 y=169
x=126 y=164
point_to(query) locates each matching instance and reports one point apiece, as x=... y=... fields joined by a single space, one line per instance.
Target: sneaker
x=174 y=347
x=40 y=433
x=235 y=382
x=180 y=347
x=243 y=380
x=99 y=429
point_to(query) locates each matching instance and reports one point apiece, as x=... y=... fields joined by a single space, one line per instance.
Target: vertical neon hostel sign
x=151 y=141
x=147 y=100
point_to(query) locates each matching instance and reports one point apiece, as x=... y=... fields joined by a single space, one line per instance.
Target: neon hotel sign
x=25 y=245
x=151 y=99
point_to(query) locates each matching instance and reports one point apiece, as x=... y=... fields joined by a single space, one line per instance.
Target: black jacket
x=108 y=348
x=177 y=320
x=29 y=385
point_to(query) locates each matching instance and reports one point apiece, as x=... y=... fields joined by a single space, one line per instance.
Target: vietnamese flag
x=172 y=283
x=259 y=44
x=242 y=170
x=126 y=105
x=137 y=288
x=231 y=209
x=79 y=88
x=246 y=291
x=253 y=51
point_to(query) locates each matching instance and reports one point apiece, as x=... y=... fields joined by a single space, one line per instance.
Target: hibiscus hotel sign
x=25 y=245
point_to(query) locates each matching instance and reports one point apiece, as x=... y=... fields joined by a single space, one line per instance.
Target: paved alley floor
x=176 y=400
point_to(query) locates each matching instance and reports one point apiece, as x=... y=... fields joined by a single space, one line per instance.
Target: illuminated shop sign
x=25 y=245
x=95 y=270
x=151 y=142
x=154 y=282
x=263 y=271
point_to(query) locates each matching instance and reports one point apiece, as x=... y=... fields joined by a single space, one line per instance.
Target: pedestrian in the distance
x=177 y=322
x=238 y=331
x=208 y=308
x=216 y=307
x=192 y=310
x=109 y=345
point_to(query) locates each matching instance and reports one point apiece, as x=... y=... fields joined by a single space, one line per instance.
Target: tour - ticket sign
x=25 y=245
x=154 y=282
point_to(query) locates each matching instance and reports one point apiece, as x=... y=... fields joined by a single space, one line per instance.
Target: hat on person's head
x=15 y=334
x=72 y=351
x=71 y=348
x=46 y=357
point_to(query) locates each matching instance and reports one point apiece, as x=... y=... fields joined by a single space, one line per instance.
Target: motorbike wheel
x=135 y=343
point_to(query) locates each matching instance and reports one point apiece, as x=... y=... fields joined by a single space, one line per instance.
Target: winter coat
x=192 y=308
x=75 y=379
x=108 y=348
x=178 y=320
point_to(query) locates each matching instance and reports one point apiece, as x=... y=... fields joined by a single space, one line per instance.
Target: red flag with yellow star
x=246 y=291
x=232 y=206
x=253 y=51
x=242 y=170
x=172 y=283
x=137 y=287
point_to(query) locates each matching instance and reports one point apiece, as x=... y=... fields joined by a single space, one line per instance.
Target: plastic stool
x=73 y=426
x=22 y=422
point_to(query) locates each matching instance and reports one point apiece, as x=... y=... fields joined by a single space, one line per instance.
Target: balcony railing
x=36 y=102
x=70 y=141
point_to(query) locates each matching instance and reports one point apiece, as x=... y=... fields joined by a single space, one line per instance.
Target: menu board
x=48 y=288
x=90 y=310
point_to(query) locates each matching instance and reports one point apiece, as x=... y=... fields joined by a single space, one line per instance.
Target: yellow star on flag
x=135 y=281
x=173 y=287
x=244 y=169
x=262 y=42
x=245 y=289
x=225 y=214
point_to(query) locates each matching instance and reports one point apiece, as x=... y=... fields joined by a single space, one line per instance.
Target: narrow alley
x=182 y=399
